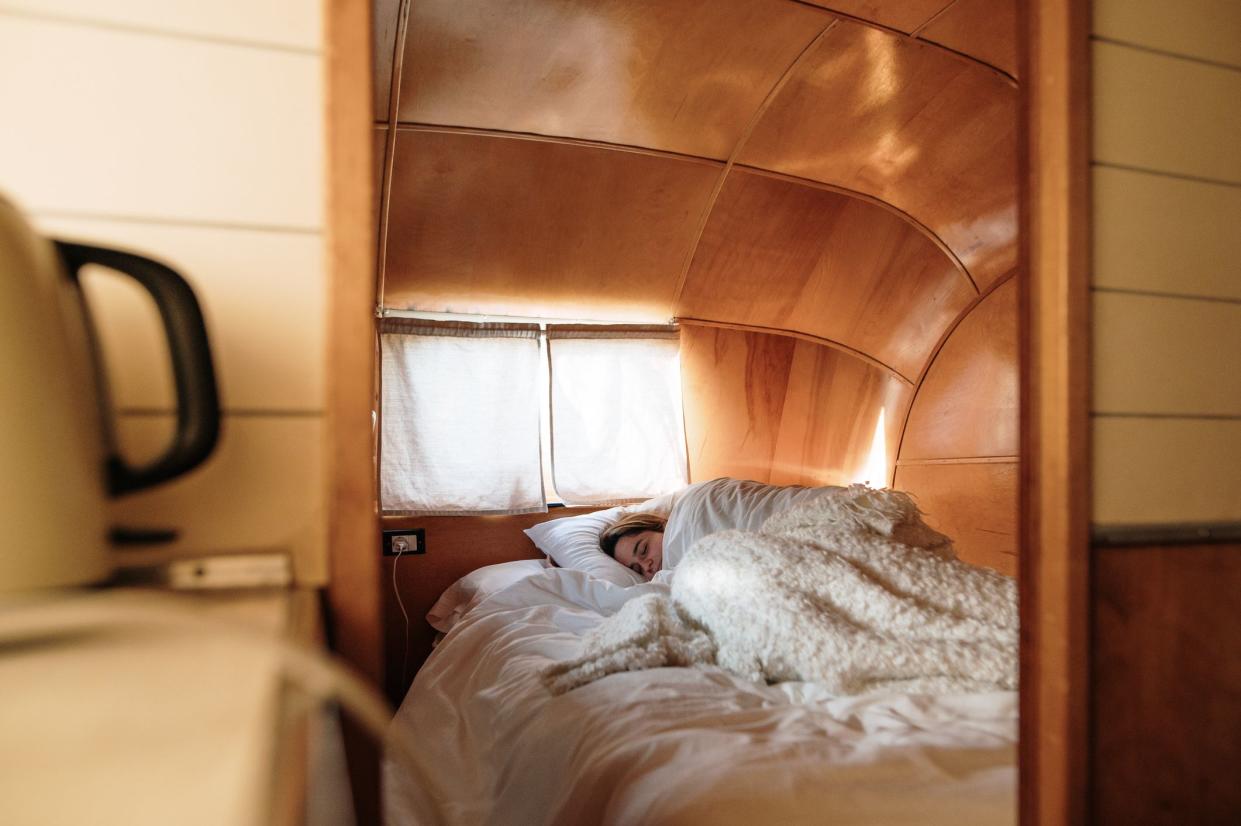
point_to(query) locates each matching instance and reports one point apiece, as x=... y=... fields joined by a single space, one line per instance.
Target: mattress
x=480 y=740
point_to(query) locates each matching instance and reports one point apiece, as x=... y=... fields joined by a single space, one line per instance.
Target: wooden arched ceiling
x=495 y=224
x=683 y=76
x=844 y=170
x=911 y=124
x=832 y=265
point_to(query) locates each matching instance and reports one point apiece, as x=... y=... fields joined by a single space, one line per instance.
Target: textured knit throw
x=851 y=590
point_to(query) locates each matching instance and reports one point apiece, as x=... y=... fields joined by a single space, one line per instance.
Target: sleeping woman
x=848 y=588
x=636 y=540
x=647 y=542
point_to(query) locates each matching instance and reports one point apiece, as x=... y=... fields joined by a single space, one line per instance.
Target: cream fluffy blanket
x=851 y=590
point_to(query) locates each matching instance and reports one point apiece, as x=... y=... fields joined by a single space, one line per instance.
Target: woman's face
x=641 y=552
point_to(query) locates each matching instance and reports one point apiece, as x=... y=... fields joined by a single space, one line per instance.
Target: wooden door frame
x=1055 y=419
x=353 y=592
x=1055 y=482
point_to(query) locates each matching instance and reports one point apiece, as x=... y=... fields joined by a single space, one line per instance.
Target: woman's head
x=636 y=540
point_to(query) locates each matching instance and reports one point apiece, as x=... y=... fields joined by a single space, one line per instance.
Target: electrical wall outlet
x=405 y=541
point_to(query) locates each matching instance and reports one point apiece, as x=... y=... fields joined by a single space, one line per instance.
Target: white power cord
x=401 y=603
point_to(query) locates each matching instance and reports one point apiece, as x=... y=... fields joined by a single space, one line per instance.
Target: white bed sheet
x=673 y=745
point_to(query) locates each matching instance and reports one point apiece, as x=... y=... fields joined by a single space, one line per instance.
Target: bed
x=480 y=739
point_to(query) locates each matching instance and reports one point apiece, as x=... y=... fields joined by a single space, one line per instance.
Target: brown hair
x=627 y=524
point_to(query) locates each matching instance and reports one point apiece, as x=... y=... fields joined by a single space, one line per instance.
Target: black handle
x=198 y=401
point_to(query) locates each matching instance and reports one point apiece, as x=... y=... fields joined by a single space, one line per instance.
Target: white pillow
x=467 y=592
x=726 y=504
x=573 y=542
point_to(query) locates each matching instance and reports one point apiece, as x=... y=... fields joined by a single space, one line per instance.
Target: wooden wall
x=703 y=160
x=1166 y=410
x=817 y=192
x=455 y=545
x=784 y=410
x=192 y=133
x=959 y=452
x=1166 y=674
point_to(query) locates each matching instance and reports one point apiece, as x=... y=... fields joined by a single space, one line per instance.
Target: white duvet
x=674 y=745
x=823 y=591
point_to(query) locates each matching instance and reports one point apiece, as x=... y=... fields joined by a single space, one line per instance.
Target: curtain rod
x=483 y=318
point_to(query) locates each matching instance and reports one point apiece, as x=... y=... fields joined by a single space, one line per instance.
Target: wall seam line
x=157 y=31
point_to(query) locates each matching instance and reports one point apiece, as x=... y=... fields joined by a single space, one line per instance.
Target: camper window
x=505 y=418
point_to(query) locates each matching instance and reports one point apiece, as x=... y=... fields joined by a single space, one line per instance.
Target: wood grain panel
x=385 y=25
x=455 y=545
x=1150 y=471
x=967 y=405
x=1166 y=675
x=1166 y=355
x=1166 y=114
x=484 y=224
x=830 y=417
x=1055 y=484
x=1205 y=29
x=780 y=254
x=684 y=77
x=352 y=596
x=910 y=124
x=975 y=504
x=1169 y=235
x=982 y=29
x=733 y=386
x=905 y=15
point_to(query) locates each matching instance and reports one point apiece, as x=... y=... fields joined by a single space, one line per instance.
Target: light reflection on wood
x=906 y=122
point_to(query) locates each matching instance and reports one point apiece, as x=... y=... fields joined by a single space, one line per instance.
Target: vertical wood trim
x=1055 y=394
x=353 y=560
x=389 y=160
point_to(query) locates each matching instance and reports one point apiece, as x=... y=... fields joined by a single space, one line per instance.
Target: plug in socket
x=405 y=541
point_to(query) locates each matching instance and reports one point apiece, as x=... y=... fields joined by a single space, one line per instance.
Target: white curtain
x=618 y=433
x=460 y=418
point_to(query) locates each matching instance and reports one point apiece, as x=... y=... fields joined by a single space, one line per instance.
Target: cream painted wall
x=1167 y=261
x=192 y=132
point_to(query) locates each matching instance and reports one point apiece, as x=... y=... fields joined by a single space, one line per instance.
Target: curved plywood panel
x=782 y=254
x=967 y=403
x=684 y=77
x=485 y=224
x=782 y=410
x=906 y=15
x=975 y=504
x=733 y=384
x=983 y=29
x=908 y=123
x=834 y=405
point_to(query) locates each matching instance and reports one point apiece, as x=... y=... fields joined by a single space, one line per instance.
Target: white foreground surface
x=672 y=745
